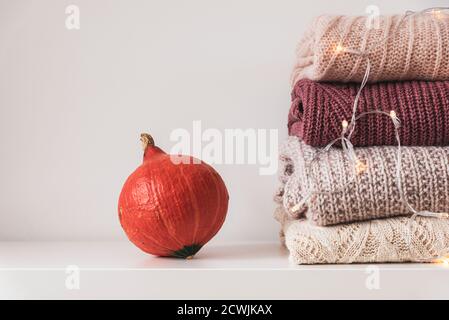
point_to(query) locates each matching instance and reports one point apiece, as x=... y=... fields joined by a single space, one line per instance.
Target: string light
x=346 y=135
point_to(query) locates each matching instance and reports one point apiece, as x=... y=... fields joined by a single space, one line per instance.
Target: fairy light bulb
x=344 y=124
x=339 y=48
x=437 y=14
x=395 y=119
x=393 y=114
x=360 y=167
x=444 y=262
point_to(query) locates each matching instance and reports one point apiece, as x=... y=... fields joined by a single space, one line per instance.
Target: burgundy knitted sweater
x=318 y=109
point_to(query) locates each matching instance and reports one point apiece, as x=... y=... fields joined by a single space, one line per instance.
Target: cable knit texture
x=419 y=49
x=384 y=240
x=318 y=110
x=373 y=193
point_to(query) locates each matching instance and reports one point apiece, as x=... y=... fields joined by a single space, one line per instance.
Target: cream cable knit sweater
x=418 y=50
x=383 y=240
x=373 y=194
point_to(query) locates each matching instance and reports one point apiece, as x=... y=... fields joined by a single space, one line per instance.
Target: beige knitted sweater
x=419 y=49
x=372 y=194
x=384 y=240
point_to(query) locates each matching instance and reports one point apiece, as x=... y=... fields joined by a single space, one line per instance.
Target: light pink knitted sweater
x=419 y=49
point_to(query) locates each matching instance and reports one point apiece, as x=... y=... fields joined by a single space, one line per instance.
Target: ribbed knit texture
x=318 y=110
x=418 y=50
x=384 y=240
x=373 y=193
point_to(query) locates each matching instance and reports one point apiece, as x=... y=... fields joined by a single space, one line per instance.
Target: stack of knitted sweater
x=328 y=212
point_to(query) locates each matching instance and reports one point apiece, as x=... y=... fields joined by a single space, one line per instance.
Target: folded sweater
x=373 y=193
x=318 y=109
x=419 y=49
x=384 y=240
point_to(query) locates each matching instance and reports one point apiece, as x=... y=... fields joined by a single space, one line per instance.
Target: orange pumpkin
x=172 y=205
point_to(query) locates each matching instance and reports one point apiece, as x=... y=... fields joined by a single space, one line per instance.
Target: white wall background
x=72 y=103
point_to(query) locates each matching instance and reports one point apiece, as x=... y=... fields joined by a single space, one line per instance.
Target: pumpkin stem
x=146 y=140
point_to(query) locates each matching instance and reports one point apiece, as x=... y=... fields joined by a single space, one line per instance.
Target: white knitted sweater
x=382 y=240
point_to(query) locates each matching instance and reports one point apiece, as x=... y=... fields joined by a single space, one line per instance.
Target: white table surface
x=118 y=270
